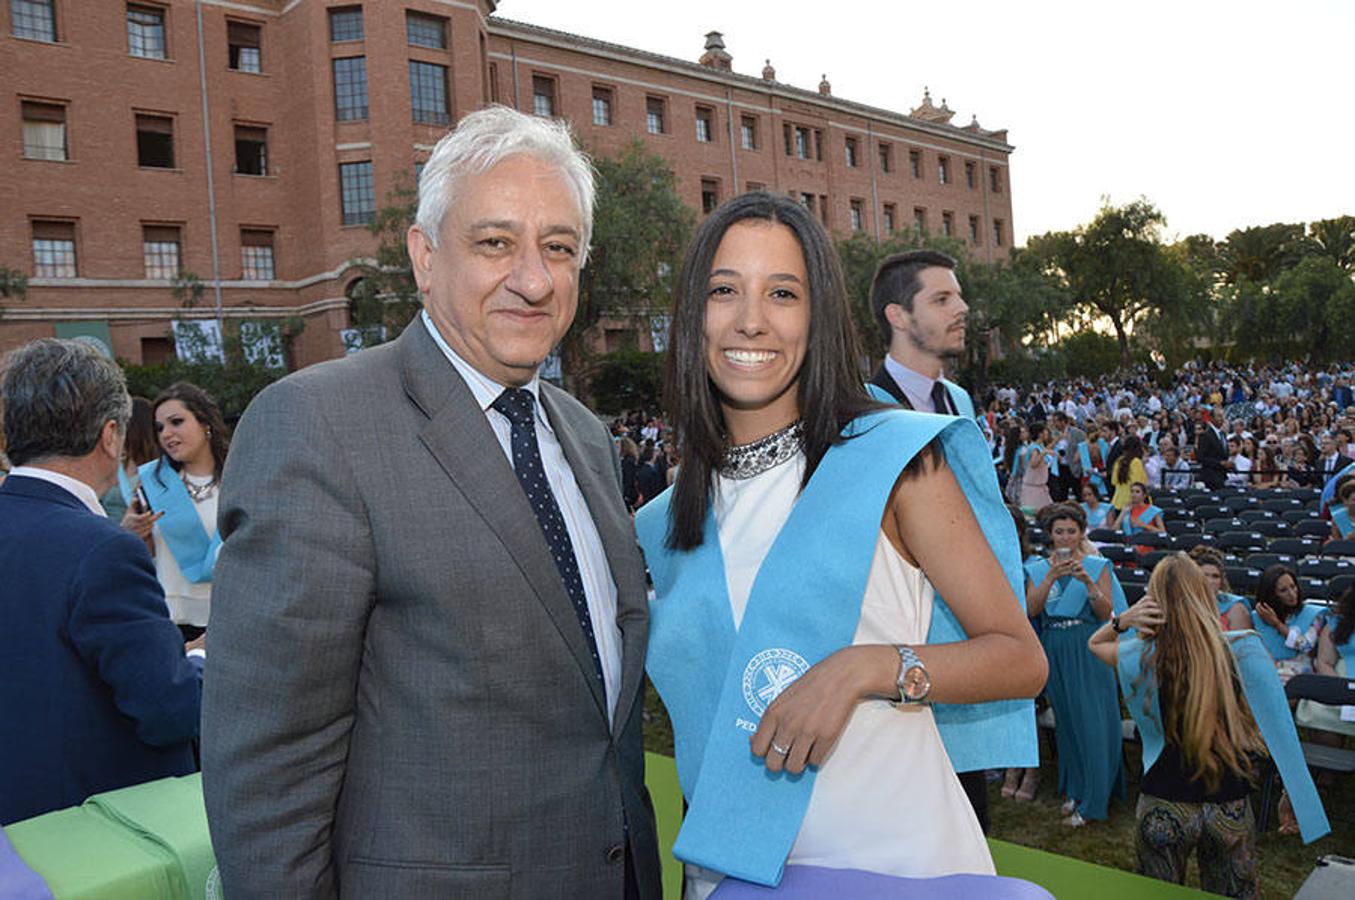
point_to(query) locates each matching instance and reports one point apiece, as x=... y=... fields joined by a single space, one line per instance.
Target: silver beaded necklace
x=747 y=460
x=198 y=492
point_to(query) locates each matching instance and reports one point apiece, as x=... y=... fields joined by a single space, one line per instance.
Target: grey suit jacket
x=400 y=701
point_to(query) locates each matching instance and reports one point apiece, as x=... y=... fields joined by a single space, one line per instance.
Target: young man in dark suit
x=96 y=692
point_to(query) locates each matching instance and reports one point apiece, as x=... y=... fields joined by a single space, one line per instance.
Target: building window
x=423 y=30
x=710 y=195
x=350 y=88
x=494 y=82
x=919 y=218
x=824 y=210
x=357 y=193
x=345 y=24
x=915 y=163
x=33 y=19
x=943 y=169
x=801 y=143
x=705 y=119
x=602 y=106
x=994 y=180
x=818 y=144
x=997 y=232
x=543 y=96
x=974 y=230
x=243 y=41
x=146 y=31
x=969 y=176
x=851 y=153
x=154 y=141
x=948 y=224
x=44 y=127
x=807 y=201
x=890 y=218
x=748 y=132
x=256 y=254
x=54 y=250
x=656 y=115
x=886 y=157
x=754 y=186
x=160 y=250
x=428 y=93
x=251 y=150
x=857 y=215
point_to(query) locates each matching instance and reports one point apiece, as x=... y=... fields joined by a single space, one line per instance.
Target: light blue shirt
x=915 y=386
x=598 y=585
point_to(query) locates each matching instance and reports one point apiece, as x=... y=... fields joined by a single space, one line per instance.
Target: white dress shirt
x=83 y=492
x=915 y=386
x=598 y=585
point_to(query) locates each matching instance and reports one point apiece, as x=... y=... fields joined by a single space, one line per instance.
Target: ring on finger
x=778 y=749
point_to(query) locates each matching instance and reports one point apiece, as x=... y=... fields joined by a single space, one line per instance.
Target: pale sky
x=1224 y=114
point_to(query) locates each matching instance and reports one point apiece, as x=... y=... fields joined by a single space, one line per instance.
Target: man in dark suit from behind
x=95 y=690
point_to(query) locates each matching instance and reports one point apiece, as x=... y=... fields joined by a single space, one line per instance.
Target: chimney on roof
x=824 y=87
x=716 y=57
x=768 y=73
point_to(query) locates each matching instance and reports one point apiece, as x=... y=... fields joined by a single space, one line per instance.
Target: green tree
x=1316 y=302
x=1334 y=239
x=386 y=298
x=640 y=231
x=1260 y=253
x=627 y=379
x=13 y=283
x=1117 y=267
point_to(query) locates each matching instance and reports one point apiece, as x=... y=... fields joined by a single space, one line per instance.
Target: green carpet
x=1065 y=878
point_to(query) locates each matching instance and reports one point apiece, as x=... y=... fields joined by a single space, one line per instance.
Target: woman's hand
x=1145 y=616
x=1268 y=616
x=140 y=523
x=807 y=718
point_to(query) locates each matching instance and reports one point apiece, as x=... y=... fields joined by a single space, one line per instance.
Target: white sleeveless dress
x=887 y=799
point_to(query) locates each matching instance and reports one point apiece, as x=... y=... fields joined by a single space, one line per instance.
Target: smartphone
x=143 y=500
x=1065 y=554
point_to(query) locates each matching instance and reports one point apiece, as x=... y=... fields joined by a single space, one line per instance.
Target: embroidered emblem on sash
x=768 y=674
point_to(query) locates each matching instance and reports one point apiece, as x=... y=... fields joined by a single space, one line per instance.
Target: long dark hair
x=203 y=408
x=141 y=446
x=1266 y=590
x=1132 y=450
x=831 y=392
x=1345 y=608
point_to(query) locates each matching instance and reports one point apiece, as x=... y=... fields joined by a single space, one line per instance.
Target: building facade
x=251 y=142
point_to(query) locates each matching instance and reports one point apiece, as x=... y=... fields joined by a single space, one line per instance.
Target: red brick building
x=250 y=142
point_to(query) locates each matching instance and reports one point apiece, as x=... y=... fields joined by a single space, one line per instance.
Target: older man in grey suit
x=428 y=626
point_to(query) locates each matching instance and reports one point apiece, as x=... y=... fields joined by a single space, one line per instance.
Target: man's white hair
x=487 y=137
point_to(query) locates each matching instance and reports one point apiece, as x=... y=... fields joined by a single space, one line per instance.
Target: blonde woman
x=1204 y=708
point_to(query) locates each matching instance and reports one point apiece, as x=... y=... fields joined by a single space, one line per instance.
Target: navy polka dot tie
x=518 y=406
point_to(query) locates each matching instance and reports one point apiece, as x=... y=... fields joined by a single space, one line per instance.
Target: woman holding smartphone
x=1073 y=594
x=178 y=495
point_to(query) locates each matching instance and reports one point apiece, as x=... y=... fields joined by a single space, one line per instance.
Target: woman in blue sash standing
x=181 y=486
x=1073 y=594
x=796 y=561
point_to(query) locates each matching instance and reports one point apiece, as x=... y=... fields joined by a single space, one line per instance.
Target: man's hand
x=198 y=643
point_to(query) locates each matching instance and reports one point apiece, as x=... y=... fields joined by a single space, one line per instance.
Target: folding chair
x=1266 y=560
x=1271 y=528
x=1219 y=526
x=1105 y=536
x=1295 y=516
x=1314 y=528
x=1187 y=542
x=1134 y=591
x=1257 y=514
x=1195 y=501
x=1151 y=539
x=1327 y=690
x=1178 y=527
x=1313 y=588
x=1338 y=586
x=1119 y=554
x=1326 y=567
x=1240 y=502
x=1297 y=547
x=1150 y=560
x=1242 y=541
x=1281 y=505
x=1339 y=548
x=1243 y=579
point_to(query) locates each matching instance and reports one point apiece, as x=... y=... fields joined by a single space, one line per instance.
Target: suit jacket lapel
x=463 y=443
x=883 y=380
x=597 y=481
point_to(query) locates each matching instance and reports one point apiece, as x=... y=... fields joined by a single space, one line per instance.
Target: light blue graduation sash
x=1227 y=601
x=1302 y=620
x=1084 y=454
x=1129 y=526
x=1269 y=706
x=1341 y=519
x=1329 y=489
x=1068 y=597
x=968 y=729
x=804 y=605
x=194 y=550
x=1347 y=650
x=125 y=487
x=1102 y=510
